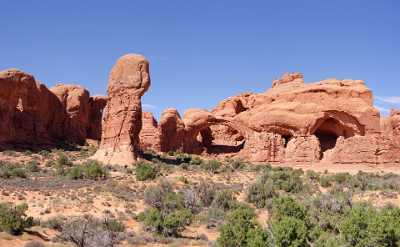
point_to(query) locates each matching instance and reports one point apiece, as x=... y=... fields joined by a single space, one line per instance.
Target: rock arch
x=332 y=125
x=223 y=137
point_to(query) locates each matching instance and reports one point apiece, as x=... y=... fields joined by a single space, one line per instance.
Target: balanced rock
x=122 y=118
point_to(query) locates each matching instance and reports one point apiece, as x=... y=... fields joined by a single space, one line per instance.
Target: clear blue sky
x=206 y=50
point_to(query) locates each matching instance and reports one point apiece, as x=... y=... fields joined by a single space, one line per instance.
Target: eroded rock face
x=29 y=113
x=149 y=135
x=33 y=116
x=331 y=120
x=172 y=131
x=75 y=102
x=96 y=106
x=122 y=118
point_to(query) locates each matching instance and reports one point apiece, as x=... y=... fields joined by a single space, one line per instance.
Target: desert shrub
x=88 y=231
x=44 y=153
x=13 y=218
x=34 y=243
x=206 y=190
x=172 y=201
x=61 y=164
x=237 y=164
x=225 y=200
x=10 y=170
x=212 y=217
x=325 y=181
x=371 y=181
x=327 y=210
x=288 y=207
x=89 y=170
x=55 y=222
x=113 y=225
x=212 y=166
x=33 y=166
x=196 y=161
x=364 y=225
x=154 y=195
x=241 y=229
x=289 y=232
x=94 y=170
x=182 y=157
x=146 y=171
x=169 y=213
x=312 y=175
x=75 y=172
x=166 y=224
x=327 y=239
x=261 y=192
x=287 y=179
x=191 y=199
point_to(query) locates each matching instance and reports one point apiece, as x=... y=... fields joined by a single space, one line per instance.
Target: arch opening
x=328 y=132
x=221 y=139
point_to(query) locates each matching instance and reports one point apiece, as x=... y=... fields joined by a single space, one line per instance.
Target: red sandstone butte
x=122 y=117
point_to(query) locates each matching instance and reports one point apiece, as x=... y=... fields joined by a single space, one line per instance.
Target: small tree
x=241 y=229
x=13 y=218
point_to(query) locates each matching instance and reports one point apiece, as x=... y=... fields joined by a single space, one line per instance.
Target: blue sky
x=206 y=50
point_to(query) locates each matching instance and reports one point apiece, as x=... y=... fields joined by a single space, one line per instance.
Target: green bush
x=146 y=171
x=61 y=164
x=166 y=224
x=212 y=166
x=241 y=229
x=90 y=170
x=206 y=191
x=225 y=200
x=10 y=170
x=33 y=166
x=94 y=170
x=261 y=192
x=325 y=181
x=288 y=207
x=365 y=226
x=290 y=232
x=287 y=179
x=13 y=218
x=113 y=225
x=154 y=195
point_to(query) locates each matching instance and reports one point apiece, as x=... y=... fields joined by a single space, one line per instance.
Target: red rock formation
x=32 y=115
x=96 y=106
x=29 y=113
x=75 y=101
x=172 y=131
x=332 y=120
x=149 y=135
x=122 y=119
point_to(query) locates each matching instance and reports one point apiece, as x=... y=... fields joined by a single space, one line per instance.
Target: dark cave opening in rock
x=286 y=139
x=328 y=132
x=327 y=141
